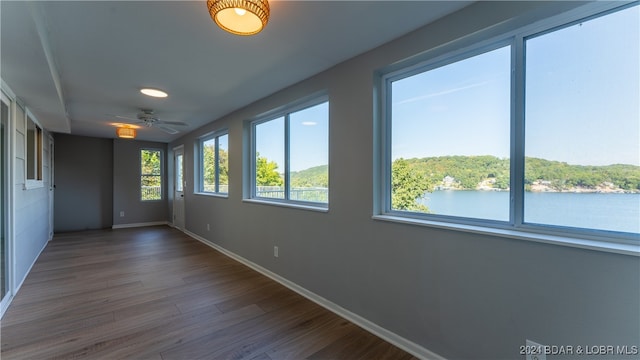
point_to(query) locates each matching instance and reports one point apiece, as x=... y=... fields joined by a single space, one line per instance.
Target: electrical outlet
x=208 y=227
x=121 y=213
x=275 y=251
x=535 y=351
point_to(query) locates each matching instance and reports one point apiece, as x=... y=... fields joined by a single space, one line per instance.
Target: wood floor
x=155 y=293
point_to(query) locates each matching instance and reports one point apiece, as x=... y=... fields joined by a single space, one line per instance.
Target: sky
x=582 y=99
x=309 y=134
x=458 y=109
x=582 y=103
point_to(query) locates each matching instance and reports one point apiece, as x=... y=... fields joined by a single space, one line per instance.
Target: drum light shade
x=126 y=133
x=240 y=17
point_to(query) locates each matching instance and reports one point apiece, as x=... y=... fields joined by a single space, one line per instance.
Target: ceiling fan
x=146 y=118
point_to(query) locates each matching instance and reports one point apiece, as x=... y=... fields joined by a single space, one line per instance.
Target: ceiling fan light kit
x=240 y=17
x=147 y=118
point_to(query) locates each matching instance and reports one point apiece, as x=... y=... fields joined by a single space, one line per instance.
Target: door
x=178 y=187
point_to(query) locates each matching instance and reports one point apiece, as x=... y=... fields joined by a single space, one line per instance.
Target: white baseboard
x=404 y=344
x=19 y=285
x=16 y=288
x=133 y=225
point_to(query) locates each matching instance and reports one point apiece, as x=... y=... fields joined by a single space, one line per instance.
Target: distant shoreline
x=548 y=189
x=606 y=188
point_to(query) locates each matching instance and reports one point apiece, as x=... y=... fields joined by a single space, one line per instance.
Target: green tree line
x=412 y=178
x=267 y=171
x=563 y=176
x=470 y=171
x=267 y=174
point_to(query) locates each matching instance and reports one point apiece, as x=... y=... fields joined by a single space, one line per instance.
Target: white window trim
x=553 y=239
x=30 y=184
x=250 y=130
x=199 y=189
x=301 y=205
x=606 y=241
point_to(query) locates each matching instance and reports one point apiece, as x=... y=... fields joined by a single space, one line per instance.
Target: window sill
x=318 y=208
x=215 y=195
x=33 y=184
x=597 y=245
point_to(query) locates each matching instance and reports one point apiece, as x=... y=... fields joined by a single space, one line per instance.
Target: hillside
x=317 y=176
x=492 y=173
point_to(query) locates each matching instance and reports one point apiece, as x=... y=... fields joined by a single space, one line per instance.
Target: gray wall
x=126 y=185
x=459 y=294
x=84 y=183
x=31 y=216
x=97 y=178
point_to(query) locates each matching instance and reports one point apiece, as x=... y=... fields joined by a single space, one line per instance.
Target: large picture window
x=450 y=138
x=538 y=132
x=290 y=156
x=214 y=163
x=582 y=125
x=150 y=174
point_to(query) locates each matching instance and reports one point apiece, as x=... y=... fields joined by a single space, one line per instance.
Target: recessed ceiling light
x=154 y=92
x=309 y=123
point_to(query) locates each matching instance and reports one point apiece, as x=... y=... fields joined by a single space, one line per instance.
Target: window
x=179 y=185
x=214 y=163
x=479 y=138
x=34 y=150
x=583 y=125
x=450 y=138
x=150 y=174
x=290 y=156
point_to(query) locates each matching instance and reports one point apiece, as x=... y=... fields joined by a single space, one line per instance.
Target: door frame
x=8 y=97
x=52 y=185
x=178 y=150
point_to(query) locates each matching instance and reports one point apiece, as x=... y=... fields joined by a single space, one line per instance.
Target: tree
x=151 y=168
x=209 y=166
x=266 y=172
x=223 y=167
x=407 y=186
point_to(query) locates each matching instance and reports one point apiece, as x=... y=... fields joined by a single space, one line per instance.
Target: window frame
x=250 y=129
x=37 y=181
x=435 y=63
x=161 y=175
x=516 y=227
x=215 y=135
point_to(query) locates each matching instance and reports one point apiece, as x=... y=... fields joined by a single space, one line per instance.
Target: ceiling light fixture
x=126 y=133
x=154 y=92
x=240 y=17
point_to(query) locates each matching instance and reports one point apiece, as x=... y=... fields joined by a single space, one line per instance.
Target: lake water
x=617 y=212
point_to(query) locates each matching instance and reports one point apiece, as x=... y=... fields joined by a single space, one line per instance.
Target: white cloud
x=444 y=92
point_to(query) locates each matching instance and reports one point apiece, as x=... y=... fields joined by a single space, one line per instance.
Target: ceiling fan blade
x=172 y=122
x=168 y=129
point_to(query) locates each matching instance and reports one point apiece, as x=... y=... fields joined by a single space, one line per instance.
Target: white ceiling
x=90 y=58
